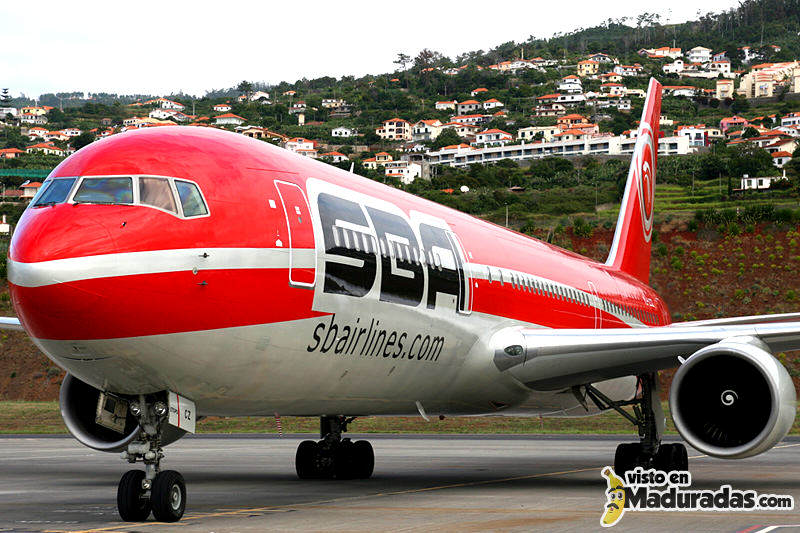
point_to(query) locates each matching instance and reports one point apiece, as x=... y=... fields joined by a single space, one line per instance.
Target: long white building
x=461 y=156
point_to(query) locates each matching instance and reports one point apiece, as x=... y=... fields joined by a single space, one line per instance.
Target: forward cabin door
x=302 y=253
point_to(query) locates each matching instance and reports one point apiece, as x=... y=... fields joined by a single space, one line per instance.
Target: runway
x=421 y=483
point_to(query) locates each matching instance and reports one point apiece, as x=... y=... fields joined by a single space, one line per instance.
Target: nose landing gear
x=140 y=492
x=334 y=456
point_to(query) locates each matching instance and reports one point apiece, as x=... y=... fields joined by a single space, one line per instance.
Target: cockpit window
x=105 y=191
x=54 y=192
x=191 y=199
x=158 y=193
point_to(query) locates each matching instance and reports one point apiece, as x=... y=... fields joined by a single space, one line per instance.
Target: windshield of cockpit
x=178 y=197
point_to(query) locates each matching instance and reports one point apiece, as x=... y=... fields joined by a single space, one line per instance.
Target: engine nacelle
x=733 y=399
x=79 y=408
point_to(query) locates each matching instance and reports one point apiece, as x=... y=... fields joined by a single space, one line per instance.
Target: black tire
x=626 y=458
x=305 y=460
x=344 y=461
x=664 y=458
x=680 y=457
x=131 y=503
x=168 y=496
x=364 y=459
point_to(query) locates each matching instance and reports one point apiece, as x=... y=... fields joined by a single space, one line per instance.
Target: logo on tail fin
x=645 y=170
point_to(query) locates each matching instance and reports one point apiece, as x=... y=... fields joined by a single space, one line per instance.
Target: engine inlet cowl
x=733 y=399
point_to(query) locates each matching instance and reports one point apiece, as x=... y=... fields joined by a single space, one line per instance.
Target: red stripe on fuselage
x=152 y=304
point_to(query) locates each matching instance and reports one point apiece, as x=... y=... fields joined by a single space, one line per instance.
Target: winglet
x=630 y=251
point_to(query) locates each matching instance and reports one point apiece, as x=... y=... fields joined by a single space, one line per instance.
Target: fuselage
x=301 y=289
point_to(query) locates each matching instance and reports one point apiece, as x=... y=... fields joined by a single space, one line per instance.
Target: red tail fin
x=630 y=251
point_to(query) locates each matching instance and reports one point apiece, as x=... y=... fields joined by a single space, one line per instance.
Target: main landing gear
x=334 y=456
x=648 y=417
x=161 y=491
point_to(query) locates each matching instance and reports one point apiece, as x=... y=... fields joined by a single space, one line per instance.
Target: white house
x=169 y=104
x=722 y=67
x=628 y=70
x=492 y=137
x=426 y=130
x=229 y=119
x=792 y=119
x=530 y=133
x=446 y=104
x=8 y=111
x=406 y=171
x=332 y=103
x=161 y=114
x=699 y=134
x=298 y=107
x=341 y=131
x=462 y=129
x=781 y=158
x=469 y=119
x=467 y=106
x=479 y=90
x=30 y=118
x=260 y=96
x=223 y=108
x=699 y=54
x=491 y=103
x=570 y=84
x=676 y=67
x=760 y=183
x=336 y=157
x=613 y=89
x=571 y=99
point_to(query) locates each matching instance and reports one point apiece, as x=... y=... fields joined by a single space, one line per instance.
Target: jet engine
x=102 y=421
x=733 y=399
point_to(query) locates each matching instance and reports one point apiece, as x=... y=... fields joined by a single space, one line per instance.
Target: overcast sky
x=163 y=46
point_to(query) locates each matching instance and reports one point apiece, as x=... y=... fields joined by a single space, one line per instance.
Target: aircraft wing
x=546 y=359
x=753 y=319
x=10 y=322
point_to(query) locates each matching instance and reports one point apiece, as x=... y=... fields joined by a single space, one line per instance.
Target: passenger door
x=302 y=253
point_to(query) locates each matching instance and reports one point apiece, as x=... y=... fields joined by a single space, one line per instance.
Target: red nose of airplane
x=41 y=276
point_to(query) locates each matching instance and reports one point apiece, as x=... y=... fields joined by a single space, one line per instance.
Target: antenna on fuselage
x=352 y=166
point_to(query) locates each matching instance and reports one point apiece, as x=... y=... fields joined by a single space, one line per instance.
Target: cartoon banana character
x=615 y=494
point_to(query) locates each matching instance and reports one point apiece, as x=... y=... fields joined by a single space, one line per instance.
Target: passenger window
x=191 y=199
x=158 y=193
x=105 y=191
x=54 y=192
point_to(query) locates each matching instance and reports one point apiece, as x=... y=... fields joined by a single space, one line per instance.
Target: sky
x=172 y=46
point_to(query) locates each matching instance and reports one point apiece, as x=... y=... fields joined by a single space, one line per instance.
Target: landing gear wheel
x=671 y=457
x=132 y=504
x=365 y=459
x=345 y=460
x=305 y=460
x=627 y=458
x=168 y=496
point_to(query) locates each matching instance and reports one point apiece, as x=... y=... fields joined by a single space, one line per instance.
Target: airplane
x=183 y=272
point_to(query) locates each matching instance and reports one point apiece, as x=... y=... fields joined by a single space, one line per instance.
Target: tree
x=749 y=132
x=740 y=105
x=85 y=138
x=402 y=60
x=245 y=88
x=447 y=137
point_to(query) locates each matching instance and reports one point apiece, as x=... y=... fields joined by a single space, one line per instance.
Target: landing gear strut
x=334 y=456
x=161 y=491
x=649 y=419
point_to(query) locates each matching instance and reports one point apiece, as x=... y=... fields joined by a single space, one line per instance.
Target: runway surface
x=421 y=483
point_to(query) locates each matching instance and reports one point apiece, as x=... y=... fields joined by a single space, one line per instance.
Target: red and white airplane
x=182 y=272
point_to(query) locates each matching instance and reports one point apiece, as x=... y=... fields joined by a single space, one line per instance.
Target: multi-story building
x=395 y=129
